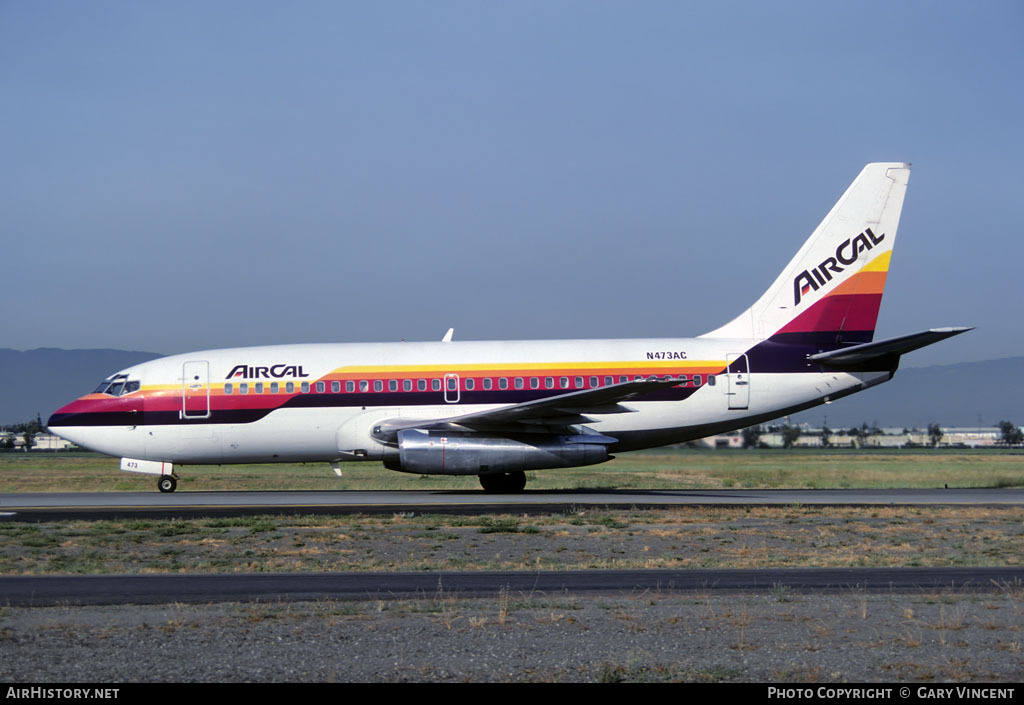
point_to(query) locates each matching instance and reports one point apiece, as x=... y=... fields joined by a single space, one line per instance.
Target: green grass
x=661 y=469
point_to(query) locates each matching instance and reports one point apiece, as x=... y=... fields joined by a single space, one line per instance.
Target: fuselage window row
x=451 y=384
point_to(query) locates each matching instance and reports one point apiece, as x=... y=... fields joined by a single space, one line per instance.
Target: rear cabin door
x=737 y=381
x=195 y=389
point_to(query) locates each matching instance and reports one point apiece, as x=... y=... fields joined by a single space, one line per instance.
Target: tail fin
x=832 y=289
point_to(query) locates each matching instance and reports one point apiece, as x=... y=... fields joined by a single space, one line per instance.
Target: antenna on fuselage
x=448 y=336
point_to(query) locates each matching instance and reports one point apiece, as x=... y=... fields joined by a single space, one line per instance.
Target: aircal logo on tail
x=249 y=371
x=846 y=254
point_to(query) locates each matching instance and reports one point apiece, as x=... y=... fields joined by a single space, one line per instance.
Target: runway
x=39 y=591
x=107 y=505
x=198 y=588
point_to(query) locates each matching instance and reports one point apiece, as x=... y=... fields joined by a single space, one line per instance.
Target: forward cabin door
x=195 y=389
x=737 y=381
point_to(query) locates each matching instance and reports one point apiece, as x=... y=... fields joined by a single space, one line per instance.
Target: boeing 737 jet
x=498 y=409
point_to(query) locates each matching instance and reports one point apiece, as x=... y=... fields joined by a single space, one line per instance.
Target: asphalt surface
x=36 y=591
x=104 y=505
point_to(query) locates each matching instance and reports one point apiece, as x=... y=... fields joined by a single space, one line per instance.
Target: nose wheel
x=167 y=483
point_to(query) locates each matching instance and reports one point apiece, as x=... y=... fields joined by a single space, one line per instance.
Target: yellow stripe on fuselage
x=469 y=370
x=510 y=368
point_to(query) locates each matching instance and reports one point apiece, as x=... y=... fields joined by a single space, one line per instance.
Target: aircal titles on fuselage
x=266 y=371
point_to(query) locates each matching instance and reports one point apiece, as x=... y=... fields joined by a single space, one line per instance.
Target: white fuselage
x=191 y=408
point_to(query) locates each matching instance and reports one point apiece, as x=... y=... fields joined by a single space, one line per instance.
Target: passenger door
x=195 y=389
x=737 y=381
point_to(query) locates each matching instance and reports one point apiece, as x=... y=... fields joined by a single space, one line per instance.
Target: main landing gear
x=167 y=483
x=503 y=482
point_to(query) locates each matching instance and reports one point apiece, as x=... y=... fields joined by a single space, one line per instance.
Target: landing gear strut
x=167 y=483
x=503 y=482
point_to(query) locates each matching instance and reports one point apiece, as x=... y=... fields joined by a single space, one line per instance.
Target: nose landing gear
x=167 y=483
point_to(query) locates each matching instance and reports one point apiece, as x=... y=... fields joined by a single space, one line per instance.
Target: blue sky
x=187 y=175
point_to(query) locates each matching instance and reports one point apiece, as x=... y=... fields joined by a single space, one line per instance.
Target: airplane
x=497 y=409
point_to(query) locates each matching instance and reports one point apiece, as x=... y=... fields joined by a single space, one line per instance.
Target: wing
x=556 y=411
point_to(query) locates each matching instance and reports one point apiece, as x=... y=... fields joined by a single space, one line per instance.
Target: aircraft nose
x=74 y=422
x=64 y=416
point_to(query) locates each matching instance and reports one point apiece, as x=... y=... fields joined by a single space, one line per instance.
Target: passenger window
x=378 y=386
x=243 y=388
x=453 y=384
x=305 y=387
x=563 y=382
x=229 y=388
x=275 y=387
x=289 y=387
x=534 y=383
x=321 y=387
x=421 y=385
x=406 y=385
x=335 y=387
x=683 y=380
x=594 y=382
x=579 y=383
x=364 y=386
x=503 y=383
x=608 y=381
x=549 y=383
x=623 y=378
x=487 y=383
x=519 y=383
x=350 y=386
x=470 y=384
x=259 y=388
x=435 y=384
x=392 y=385
x=697 y=380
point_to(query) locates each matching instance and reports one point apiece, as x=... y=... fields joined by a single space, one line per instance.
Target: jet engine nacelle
x=443 y=453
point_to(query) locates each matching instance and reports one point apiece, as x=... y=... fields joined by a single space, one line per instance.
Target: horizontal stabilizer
x=859 y=354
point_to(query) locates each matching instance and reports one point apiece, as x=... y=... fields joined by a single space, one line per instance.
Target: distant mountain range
x=965 y=394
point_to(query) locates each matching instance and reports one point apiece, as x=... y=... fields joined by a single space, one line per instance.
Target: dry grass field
x=682 y=537
x=662 y=469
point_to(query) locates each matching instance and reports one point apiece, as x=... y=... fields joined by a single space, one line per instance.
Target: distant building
x=41 y=441
x=732 y=440
x=977 y=437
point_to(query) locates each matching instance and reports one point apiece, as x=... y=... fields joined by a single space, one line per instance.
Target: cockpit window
x=117 y=386
x=103 y=387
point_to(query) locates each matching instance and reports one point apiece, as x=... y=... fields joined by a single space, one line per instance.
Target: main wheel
x=167 y=483
x=504 y=482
